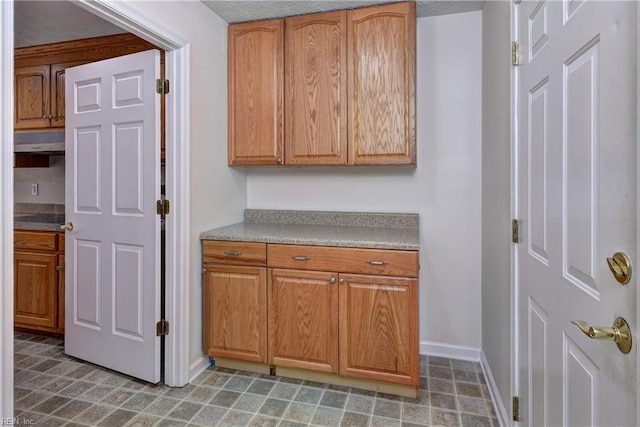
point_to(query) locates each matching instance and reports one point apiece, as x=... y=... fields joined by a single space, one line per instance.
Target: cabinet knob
x=204 y=270
x=332 y=280
x=59 y=267
x=279 y=160
x=342 y=282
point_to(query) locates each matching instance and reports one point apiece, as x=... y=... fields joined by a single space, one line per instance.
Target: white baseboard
x=198 y=367
x=501 y=411
x=451 y=351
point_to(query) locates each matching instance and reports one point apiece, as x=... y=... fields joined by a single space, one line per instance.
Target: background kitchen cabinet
x=39 y=95
x=40 y=71
x=316 y=89
x=303 y=319
x=235 y=301
x=382 y=64
x=256 y=91
x=38 y=277
x=32 y=97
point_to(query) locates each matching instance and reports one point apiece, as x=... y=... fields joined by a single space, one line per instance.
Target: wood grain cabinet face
x=39 y=281
x=235 y=317
x=256 y=91
x=36 y=289
x=348 y=82
x=382 y=85
x=378 y=328
x=303 y=319
x=57 y=92
x=32 y=97
x=316 y=89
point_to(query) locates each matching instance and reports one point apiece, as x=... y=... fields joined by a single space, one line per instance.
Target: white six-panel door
x=112 y=183
x=577 y=204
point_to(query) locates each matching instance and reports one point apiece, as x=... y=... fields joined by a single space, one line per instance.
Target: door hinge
x=515 y=231
x=162 y=86
x=162 y=328
x=515 y=408
x=162 y=207
x=515 y=53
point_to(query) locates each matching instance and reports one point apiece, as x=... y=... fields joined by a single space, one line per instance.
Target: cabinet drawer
x=345 y=260
x=224 y=252
x=35 y=240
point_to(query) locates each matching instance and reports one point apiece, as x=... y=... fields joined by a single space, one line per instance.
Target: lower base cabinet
x=235 y=308
x=303 y=319
x=39 y=281
x=348 y=313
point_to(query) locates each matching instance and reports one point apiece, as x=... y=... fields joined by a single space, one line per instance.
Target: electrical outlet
x=34 y=189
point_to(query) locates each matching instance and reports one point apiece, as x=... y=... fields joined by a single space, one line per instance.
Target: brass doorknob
x=68 y=226
x=620 y=333
x=620 y=266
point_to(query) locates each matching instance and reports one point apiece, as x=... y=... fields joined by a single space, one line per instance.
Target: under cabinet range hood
x=39 y=142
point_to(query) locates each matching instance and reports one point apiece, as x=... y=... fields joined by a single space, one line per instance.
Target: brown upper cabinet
x=256 y=90
x=348 y=83
x=40 y=72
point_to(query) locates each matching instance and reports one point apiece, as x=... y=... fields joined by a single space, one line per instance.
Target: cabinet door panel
x=256 y=75
x=36 y=289
x=316 y=89
x=235 y=317
x=382 y=85
x=61 y=278
x=57 y=92
x=303 y=320
x=379 y=328
x=32 y=86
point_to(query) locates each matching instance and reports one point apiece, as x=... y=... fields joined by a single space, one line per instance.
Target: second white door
x=112 y=184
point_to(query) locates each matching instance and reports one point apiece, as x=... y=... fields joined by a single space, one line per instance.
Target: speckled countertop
x=38 y=217
x=346 y=229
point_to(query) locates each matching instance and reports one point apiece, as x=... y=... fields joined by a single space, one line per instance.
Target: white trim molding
x=501 y=411
x=6 y=213
x=431 y=348
x=177 y=164
x=199 y=366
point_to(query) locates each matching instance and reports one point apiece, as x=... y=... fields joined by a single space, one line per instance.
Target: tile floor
x=52 y=389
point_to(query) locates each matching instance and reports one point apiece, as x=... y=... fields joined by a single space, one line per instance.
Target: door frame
x=6 y=212
x=515 y=380
x=177 y=181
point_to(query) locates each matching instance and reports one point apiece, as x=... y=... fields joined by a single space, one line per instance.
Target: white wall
x=496 y=195
x=218 y=193
x=50 y=183
x=445 y=188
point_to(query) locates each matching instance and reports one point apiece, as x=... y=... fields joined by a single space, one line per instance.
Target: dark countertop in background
x=38 y=217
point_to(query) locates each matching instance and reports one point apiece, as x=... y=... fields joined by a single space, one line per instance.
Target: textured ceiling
x=251 y=10
x=49 y=21
x=39 y=22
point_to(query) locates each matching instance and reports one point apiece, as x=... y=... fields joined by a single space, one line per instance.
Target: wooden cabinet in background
x=38 y=281
x=39 y=96
x=40 y=71
x=235 y=300
x=348 y=84
x=256 y=91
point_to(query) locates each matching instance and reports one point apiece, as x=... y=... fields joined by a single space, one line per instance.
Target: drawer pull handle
x=301 y=258
x=378 y=262
x=233 y=253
